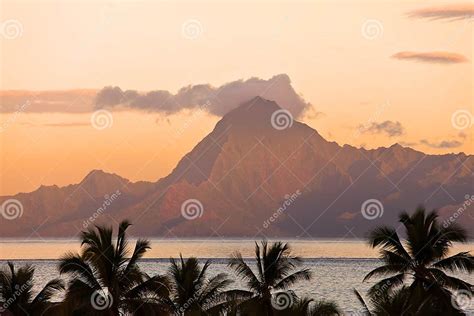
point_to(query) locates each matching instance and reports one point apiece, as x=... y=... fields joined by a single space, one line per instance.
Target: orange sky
x=346 y=72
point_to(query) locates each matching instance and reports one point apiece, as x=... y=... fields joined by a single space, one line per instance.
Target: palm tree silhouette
x=397 y=302
x=193 y=292
x=105 y=282
x=16 y=295
x=422 y=260
x=275 y=275
x=309 y=307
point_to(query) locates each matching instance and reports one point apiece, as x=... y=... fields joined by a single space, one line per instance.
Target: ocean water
x=338 y=266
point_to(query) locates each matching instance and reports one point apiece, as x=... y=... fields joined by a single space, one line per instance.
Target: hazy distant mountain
x=243 y=172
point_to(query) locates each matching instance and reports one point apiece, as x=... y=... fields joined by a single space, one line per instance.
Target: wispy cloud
x=348 y=215
x=432 y=57
x=217 y=100
x=407 y=144
x=67 y=101
x=61 y=124
x=448 y=12
x=389 y=128
x=72 y=124
x=441 y=145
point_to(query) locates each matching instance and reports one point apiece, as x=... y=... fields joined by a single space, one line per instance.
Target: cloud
x=432 y=57
x=72 y=124
x=61 y=124
x=407 y=144
x=450 y=12
x=348 y=215
x=442 y=145
x=217 y=100
x=389 y=128
x=312 y=114
x=67 y=101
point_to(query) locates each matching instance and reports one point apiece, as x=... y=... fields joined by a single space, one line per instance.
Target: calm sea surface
x=339 y=266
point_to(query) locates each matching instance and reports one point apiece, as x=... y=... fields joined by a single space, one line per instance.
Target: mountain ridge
x=241 y=173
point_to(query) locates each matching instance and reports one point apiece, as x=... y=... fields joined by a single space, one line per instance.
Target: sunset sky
x=400 y=69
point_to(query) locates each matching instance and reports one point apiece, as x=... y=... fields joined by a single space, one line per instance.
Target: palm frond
x=156 y=286
x=461 y=262
x=52 y=288
x=292 y=279
x=141 y=247
x=121 y=245
x=385 y=270
x=449 y=282
x=387 y=237
x=75 y=265
x=393 y=258
x=259 y=262
x=324 y=308
x=385 y=286
x=242 y=270
x=362 y=302
x=213 y=289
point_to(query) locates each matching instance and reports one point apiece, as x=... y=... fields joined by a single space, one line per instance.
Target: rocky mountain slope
x=248 y=178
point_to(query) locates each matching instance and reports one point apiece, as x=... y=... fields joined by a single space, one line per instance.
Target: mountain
x=249 y=178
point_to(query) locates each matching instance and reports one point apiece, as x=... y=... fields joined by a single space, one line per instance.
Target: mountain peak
x=258 y=104
x=396 y=147
x=244 y=168
x=253 y=114
x=98 y=179
x=95 y=172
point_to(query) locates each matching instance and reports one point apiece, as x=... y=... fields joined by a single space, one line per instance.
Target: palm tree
x=397 y=302
x=422 y=260
x=104 y=282
x=394 y=303
x=275 y=275
x=16 y=295
x=193 y=292
x=309 y=307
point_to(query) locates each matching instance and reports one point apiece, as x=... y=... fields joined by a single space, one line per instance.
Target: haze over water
x=40 y=249
x=201 y=248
